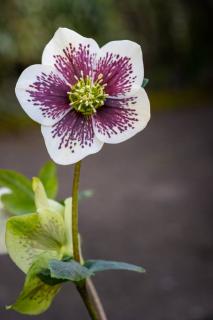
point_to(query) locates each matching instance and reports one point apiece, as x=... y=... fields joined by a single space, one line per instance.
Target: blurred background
x=153 y=201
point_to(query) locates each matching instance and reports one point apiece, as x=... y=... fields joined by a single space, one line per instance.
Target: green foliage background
x=175 y=36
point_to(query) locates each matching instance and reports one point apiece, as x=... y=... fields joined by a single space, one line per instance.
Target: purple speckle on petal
x=116 y=117
x=74 y=130
x=117 y=73
x=75 y=62
x=49 y=93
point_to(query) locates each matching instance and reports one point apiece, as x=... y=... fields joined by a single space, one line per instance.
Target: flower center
x=86 y=96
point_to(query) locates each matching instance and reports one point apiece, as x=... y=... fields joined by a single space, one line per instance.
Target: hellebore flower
x=84 y=96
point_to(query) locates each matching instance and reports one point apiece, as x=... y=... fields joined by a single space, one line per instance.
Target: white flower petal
x=42 y=94
x=62 y=38
x=121 y=64
x=71 y=139
x=121 y=119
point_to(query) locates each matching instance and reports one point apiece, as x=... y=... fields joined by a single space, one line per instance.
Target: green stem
x=75 y=187
x=86 y=287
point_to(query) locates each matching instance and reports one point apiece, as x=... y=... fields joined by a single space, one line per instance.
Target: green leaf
x=48 y=176
x=15 y=182
x=70 y=270
x=36 y=295
x=30 y=235
x=45 y=276
x=21 y=200
x=103 y=265
x=145 y=82
x=17 y=204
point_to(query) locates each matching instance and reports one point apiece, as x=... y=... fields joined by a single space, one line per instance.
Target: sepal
x=36 y=295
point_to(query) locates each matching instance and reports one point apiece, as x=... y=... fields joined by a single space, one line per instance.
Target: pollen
x=86 y=96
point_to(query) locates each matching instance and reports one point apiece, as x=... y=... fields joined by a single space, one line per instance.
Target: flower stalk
x=75 y=188
x=86 y=287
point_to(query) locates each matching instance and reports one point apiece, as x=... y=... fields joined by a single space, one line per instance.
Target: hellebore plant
x=83 y=96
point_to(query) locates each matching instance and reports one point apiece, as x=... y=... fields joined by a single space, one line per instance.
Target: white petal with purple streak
x=120 y=119
x=71 y=53
x=121 y=64
x=42 y=94
x=71 y=139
